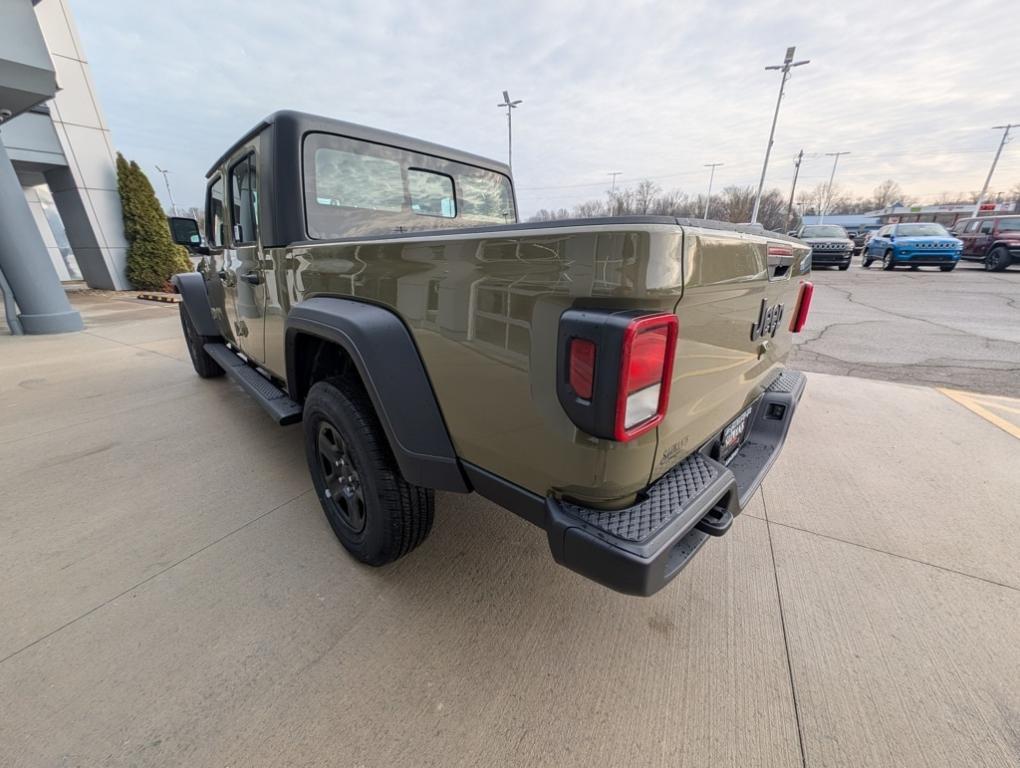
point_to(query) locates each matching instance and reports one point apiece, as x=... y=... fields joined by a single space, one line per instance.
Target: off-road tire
x=997 y=259
x=947 y=267
x=888 y=262
x=204 y=365
x=844 y=267
x=396 y=516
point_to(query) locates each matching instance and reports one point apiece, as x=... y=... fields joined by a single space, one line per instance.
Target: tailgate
x=722 y=365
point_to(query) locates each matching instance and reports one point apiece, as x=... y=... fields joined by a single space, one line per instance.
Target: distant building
x=60 y=215
x=947 y=214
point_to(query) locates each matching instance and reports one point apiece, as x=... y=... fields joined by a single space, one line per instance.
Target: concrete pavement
x=171 y=594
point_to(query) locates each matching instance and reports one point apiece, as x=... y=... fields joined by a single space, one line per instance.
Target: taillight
x=646 y=367
x=582 y=367
x=807 y=290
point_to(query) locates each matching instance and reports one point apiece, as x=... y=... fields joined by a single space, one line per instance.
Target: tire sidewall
x=888 y=261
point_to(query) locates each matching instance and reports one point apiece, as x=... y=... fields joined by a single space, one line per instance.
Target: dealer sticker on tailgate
x=734 y=433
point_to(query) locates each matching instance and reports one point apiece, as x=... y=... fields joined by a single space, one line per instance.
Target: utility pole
x=614 y=174
x=1005 y=137
x=173 y=208
x=510 y=105
x=785 y=67
x=711 y=178
x=793 y=189
x=828 y=192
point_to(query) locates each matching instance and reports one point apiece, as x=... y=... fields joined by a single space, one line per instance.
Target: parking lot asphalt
x=171 y=594
x=959 y=329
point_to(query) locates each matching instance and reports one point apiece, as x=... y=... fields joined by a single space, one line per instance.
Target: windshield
x=920 y=230
x=823 y=230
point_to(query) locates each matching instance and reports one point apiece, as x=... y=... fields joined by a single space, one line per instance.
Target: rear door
x=243 y=259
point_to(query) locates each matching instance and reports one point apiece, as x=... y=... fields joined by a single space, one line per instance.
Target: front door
x=983 y=238
x=243 y=260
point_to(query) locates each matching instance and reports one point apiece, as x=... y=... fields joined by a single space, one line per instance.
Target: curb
x=165 y=298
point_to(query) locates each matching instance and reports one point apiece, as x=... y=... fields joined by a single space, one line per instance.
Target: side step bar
x=273 y=399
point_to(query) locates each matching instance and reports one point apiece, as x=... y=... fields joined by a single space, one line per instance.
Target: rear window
x=358 y=188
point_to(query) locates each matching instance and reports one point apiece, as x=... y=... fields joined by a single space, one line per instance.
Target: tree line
x=735 y=203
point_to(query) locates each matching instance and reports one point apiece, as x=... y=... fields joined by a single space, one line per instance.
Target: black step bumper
x=638 y=550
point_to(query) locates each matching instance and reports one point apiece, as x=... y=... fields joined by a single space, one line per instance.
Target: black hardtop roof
x=303 y=122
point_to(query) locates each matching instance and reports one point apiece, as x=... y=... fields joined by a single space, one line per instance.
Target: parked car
x=913 y=244
x=992 y=240
x=830 y=245
x=861 y=237
x=379 y=290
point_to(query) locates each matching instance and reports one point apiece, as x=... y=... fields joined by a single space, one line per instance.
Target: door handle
x=254 y=278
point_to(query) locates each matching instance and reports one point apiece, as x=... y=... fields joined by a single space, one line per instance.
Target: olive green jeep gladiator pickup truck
x=618 y=382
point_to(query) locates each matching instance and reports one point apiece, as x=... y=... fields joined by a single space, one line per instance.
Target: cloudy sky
x=649 y=89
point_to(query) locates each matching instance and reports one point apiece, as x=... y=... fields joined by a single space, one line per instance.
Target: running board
x=273 y=399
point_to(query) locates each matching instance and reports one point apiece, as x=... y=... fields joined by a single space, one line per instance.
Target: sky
x=647 y=89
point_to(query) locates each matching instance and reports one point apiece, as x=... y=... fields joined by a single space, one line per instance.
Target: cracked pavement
x=959 y=330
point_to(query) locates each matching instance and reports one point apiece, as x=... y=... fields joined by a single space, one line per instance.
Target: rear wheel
x=997 y=259
x=376 y=514
x=887 y=261
x=947 y=267
x=204 y=365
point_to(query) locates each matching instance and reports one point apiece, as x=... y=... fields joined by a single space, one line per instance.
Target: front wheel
x=844 y=267
x=947 y=267
x=376 y=514
x=997 y=259
x=888 y=263
x=865 y=261
x=204 y=365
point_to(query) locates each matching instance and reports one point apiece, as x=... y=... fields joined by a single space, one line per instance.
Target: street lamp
x=828 y=192
x=510 y=105
x=711 y=178
x=173 y=208
x=614 y=174
x=1005 y=137
x=785 y=67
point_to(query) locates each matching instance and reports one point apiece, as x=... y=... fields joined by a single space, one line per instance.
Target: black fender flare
x=191 y=286
x=390 y=365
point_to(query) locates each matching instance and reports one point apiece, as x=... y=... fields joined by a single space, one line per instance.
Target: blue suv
x=915 y=244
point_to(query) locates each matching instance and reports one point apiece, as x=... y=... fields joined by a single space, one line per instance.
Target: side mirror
x=892 y=238
x=184 y=231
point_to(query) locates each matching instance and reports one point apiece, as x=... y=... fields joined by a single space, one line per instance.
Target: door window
x=987 y=227
x=215 y=227
x=244 y=210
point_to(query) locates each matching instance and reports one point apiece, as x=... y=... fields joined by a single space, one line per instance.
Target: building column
x=42 y=303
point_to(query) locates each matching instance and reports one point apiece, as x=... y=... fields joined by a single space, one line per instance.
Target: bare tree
x=887 y=193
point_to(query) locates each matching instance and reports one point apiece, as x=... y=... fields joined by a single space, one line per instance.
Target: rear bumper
x=640 y=549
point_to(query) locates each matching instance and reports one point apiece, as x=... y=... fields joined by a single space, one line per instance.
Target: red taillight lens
x=807 y=290
x=646 y=370
x=582 y=367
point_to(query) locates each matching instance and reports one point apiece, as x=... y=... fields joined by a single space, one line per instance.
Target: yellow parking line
x=969 y=401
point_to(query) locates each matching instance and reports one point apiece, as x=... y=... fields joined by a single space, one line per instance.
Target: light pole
x=1005 y=137
x=614 y=174
x=173 y=208
x=785 y=67
x=793 y=189
x=711 y=178
x=510 y=106
x=828 y=192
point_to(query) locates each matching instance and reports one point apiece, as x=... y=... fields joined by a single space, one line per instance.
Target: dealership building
x=60 y=215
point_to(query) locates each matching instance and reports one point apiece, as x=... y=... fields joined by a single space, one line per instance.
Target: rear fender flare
x=390 y=365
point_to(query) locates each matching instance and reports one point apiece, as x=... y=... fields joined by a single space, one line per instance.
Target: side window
x=431 y=193
x=972 y=226
x=215 y=227
x=354 y=180
x=987 y=227
x=1009 y=225
x=244 y=201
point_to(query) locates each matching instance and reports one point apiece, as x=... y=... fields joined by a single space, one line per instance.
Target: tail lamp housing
x=615 y=370
x=807 y=290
